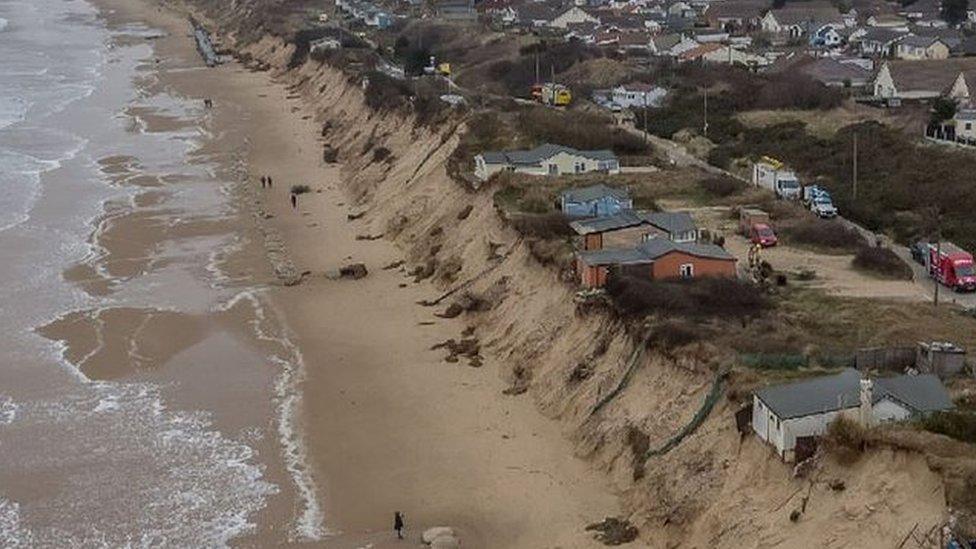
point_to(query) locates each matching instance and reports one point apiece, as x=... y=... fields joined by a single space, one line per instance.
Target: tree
x=777 y=4
x=954 y=11
x=943 y=109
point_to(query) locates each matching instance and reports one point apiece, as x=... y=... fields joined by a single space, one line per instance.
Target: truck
x=951 y=266
x=772 y=174
x=554 y=94
x=818 y=200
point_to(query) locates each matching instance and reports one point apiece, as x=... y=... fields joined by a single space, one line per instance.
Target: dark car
x=919 y=250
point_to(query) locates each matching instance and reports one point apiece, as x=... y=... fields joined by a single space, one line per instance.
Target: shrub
x=882 y=261
x=578 y=130
x=954 y=424
x=708 y=296
x=384 y=93
x=380 y=154
x=721 y=185
x=832 y=234
x=844 y=439
x=300 y=189
x=672 y=334
x=547 y=226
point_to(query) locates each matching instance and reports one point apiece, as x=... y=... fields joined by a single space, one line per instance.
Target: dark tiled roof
x=922 y=393
x=622 y=220
x=652 y=249
x=827 y=70
x=540 y=153
x=594 y=192
x=671 y=222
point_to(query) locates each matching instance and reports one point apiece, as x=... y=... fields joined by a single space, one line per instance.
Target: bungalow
x=735 y=16
x=627 y=228
x=671 y=45
x=594 y=201
x=656 y=259
x=637 y=95
x=573 y=14
x=796 y=20
x=877 y=42
x=921 y=47
x=781 y=414
x=456 y=10
x=837 y=72
x=546 y=159
x=926 y=79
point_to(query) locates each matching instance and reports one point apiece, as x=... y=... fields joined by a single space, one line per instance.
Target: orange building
x=657 y=259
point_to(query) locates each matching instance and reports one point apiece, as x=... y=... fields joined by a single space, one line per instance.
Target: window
x=553 y=169
x=969 y=126
x=687 y=270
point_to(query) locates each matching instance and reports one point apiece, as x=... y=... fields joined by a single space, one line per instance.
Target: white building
x=546 y=159
x=637 y=96
x=783 y=413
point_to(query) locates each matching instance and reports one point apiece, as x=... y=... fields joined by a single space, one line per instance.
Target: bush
x=831 y=235
x=578 y=130
x=300 y=189
x=721 y=185
x=882 y=261
x=547 y=226
x=672 y=334
x=954 y=424
x=384 y=93
x=381 y=154
x=708 y=296
x=845 y=439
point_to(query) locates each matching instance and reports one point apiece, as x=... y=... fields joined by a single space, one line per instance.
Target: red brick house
x=657 y=259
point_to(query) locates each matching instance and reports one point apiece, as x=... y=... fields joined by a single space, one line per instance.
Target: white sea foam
x=3 y=24
x=12 y=535
x=8 y=410
x=310 y=523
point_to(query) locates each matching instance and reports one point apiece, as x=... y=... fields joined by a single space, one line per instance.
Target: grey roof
x=671 y=222
x=540 y=153
x=881 y=35
x=813 y=396
x=621 y=220
x=652 y=249
x=615 y=256
x=921 y=393
x=828 y=70
x=594 y=192
x=918 y=41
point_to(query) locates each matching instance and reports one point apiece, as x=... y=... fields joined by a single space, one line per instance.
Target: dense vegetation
x=708 y=296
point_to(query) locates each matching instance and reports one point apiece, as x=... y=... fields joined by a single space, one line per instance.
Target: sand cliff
x=715 y=489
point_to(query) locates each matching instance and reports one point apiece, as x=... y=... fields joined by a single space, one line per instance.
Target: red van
x=762 y=234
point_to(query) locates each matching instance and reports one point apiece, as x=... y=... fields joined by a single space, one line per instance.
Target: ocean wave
x=176 y=481
x=3 y=24
x=310 y=523
x=8 y=410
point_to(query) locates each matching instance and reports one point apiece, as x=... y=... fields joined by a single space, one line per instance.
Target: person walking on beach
x=269 y=182
x=264 y=181
x=294 y=200
x=398 y=524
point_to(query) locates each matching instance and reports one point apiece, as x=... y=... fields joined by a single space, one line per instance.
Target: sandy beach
x=382 y=423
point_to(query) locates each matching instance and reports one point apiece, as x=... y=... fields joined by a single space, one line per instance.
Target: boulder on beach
x=354 y=271
x=445 y=542
x=435 y=532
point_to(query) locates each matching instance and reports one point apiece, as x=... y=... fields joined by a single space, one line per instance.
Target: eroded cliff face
x=715 y=488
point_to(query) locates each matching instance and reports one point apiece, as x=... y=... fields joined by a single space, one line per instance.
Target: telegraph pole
x=705 y=115
x=938 y=257
x=854 y=185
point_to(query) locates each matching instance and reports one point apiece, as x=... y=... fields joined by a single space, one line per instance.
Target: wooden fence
x=890 y=359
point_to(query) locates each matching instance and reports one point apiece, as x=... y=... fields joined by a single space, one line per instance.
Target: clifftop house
x=657 y=259
x=546 y=159
x=782 y=414
x=925 y=79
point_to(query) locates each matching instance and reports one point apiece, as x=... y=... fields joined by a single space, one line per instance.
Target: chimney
x=866 y=409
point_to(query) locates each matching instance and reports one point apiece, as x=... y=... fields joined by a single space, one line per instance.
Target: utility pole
x=938 y=257
x=854 y=185
x=705 y=115
x=644 y=135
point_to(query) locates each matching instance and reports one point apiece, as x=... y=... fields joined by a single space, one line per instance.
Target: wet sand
x=383 y=423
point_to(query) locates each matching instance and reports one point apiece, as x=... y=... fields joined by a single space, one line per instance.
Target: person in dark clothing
x=269 y=182
x=264 y=181
x=294 y=200
x=398 y=524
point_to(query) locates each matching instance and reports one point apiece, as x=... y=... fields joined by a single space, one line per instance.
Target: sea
x=97 y=446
